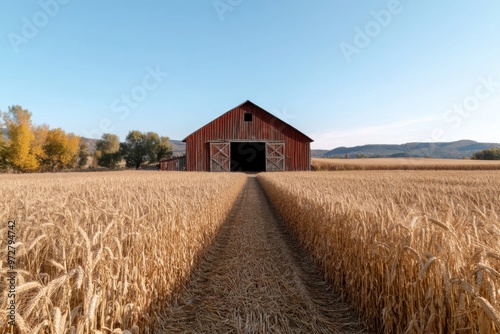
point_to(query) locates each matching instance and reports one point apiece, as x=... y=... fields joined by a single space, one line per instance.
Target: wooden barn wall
x=231 y=126
x=175 y=164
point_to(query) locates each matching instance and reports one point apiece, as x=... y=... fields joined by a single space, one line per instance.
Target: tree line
x=489 y=154
x=138 y=149
x=26 y=147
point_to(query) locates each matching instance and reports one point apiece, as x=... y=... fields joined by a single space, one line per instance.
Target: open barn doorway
x=248 y=156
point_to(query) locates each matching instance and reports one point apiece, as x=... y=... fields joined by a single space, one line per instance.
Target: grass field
x=100 y=251
x=414 y=251
x=323 y=164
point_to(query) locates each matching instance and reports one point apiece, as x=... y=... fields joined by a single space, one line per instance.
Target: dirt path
x=255 y=278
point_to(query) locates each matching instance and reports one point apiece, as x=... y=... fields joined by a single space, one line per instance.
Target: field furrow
x=257 y=279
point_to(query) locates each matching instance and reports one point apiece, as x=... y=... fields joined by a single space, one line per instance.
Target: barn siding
x=173 y=164
x=264 y=127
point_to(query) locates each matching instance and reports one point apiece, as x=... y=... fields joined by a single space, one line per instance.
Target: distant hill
x=90 y=143
x=453 y=150
x=318 y=153
x=178 y=147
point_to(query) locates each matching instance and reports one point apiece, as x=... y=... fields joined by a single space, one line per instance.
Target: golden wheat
x=413 y=251
x=106 y=251
x=324 y=164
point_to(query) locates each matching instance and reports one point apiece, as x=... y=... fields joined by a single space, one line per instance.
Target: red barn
x=248 y=138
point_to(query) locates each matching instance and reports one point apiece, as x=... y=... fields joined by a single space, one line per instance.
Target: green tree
x=140 y=148
x=152 y=141
x=110 y=160
x=109 y=143
x=163 y=149
x=19 y=152
x=135 y=149
x=108 y=153
x=489 y=154
x=83 y=154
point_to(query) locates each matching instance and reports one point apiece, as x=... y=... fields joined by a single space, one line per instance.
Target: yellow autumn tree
x=40 y=132
x=3 y=150
x=19 y=151
x=60 y=149
x=73 y=150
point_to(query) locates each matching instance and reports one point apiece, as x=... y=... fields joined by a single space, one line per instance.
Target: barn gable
x=250 y=107
x=247 y=138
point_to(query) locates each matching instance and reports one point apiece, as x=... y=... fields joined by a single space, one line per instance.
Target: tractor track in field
x=256 y=278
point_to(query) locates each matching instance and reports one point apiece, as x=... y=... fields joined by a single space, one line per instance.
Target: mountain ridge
x=443 y=150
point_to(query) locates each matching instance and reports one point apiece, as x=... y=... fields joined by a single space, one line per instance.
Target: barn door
x=220 y=157
x=275 y=157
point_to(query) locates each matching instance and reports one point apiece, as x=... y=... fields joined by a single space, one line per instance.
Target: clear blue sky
x=336 y=70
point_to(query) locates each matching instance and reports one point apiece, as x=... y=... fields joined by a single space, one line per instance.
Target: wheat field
x=412 y=251
x=106 y=252
x=324 y=164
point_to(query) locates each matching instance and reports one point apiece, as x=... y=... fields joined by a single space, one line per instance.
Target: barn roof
x=172 y=158
x=263 y=110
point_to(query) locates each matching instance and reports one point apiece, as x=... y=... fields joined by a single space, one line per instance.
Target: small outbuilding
x=247 y=138
x=173 y=164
